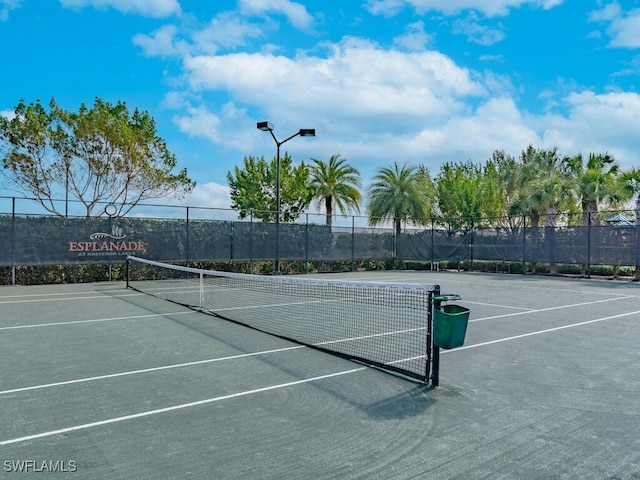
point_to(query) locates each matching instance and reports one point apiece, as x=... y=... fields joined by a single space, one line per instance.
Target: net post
x=435 y=357
x=201 y=290
x=127 y=269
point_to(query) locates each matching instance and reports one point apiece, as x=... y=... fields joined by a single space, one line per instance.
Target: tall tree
x=546 y=187
x=427 y=190
x=395 y=195
x=596 y=182
x=100 y=154
x=253 y=188
x=468 y=193
x=630 y=184
x=337 y=182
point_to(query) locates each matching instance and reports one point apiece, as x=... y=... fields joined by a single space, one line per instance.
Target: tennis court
x=100 y=381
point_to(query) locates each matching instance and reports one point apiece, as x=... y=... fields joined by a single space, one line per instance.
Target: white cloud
x=623 y=26
x=625 y=31
x=357 y=82
x=6 y=6
x=594 y=123
x=296 y=13
x=210 y=195
x=10 y=114
x=489 y=8
x=200 y=122
x=375 y=105
x=609 y=12
x=148 y=8
x=496 y=124
x=477 y=33
x=161 y=43
x=414 y=38
x=226 y=30
x=359 y=104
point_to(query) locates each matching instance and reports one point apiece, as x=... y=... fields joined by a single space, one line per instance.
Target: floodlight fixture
x=265 y=126
x=303 y=132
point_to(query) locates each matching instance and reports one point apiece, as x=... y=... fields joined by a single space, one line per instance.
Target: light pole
x=303 y=132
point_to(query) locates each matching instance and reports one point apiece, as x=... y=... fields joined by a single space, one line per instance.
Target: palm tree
x=545 y=187
x=335 y=182
x=630 y=181
x=596 y=182
x=395 y=195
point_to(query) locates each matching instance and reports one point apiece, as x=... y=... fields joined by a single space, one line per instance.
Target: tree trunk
x=329 y=209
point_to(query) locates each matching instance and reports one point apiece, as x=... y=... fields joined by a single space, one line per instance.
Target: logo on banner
x=105 y=244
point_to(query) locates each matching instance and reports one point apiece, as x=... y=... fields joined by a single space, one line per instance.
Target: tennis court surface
x=100 y=381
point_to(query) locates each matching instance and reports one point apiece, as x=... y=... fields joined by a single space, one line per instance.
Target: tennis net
x=386 y=325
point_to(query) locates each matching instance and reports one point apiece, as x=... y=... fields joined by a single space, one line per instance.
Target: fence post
x=524 y=244
x=306 y=243
x=353 y=243
x=13 y=241
x=231 y=234
x=588 y=271
x=636 y=272
x=186 y=253
x=471 y=239
x=251 y=242
x=433 y=252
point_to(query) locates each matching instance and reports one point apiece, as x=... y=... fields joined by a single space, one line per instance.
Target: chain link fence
x=31 y=236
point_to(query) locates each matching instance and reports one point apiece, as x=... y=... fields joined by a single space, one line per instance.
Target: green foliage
x=545 y=184
x=100 y=154
x=395 y=195
x=253 y=188
x=60 y=274
x=460 y=188
x=335 y=182
x=596 y=183
x=427 y=191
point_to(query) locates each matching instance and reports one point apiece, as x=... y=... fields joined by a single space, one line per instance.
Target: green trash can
x=450 y=326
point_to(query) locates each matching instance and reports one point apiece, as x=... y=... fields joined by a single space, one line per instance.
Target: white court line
x=512 y=284
x=206 y=361
x=283 y=385
x=61 y=294
x=549 y=308
x=36 y=300
x=147 y=370
x=500 y=306
x=174 y=407
x=96 y=320
x=554 y=329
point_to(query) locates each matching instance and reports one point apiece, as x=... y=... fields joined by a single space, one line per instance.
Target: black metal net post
x=127 y=266
x=433 y=351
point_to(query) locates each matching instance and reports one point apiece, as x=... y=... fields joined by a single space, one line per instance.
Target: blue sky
x=416 y=81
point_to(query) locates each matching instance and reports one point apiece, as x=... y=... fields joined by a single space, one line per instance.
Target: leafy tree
x=253 y=188
x=335 y=182
x=100 y=154
x=395 y=195
x=427 y=190
x=470 y=194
